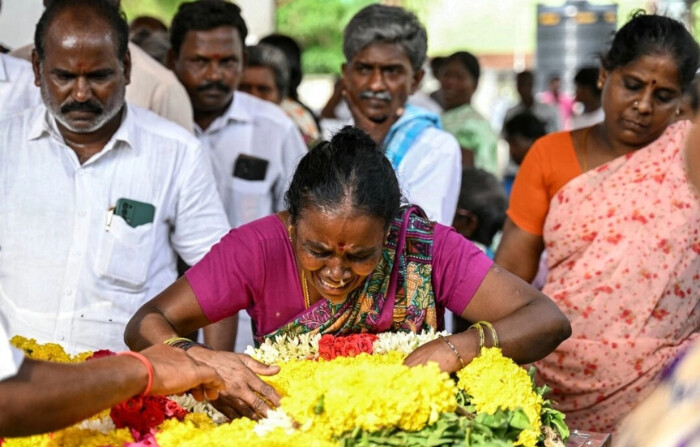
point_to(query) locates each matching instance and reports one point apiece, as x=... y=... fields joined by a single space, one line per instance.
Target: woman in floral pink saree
x=623 y=244
x=618 y=213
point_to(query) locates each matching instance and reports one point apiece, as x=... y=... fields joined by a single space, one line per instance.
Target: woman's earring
x=600 y=85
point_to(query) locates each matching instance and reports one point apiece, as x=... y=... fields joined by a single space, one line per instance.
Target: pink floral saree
x=623 y=244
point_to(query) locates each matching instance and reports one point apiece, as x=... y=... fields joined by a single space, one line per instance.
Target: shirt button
x=69 y=292
x=81 y=172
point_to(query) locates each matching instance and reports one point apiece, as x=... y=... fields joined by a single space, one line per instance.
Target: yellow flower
x=195 y=432
x=497 y=382
x=329 y=398
x=73 y=437
x=51 y=352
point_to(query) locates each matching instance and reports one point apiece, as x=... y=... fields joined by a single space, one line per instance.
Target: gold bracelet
x=478 y=327
x=494 y=335
x=185 y=343
x=172 y=341
x=454 y=349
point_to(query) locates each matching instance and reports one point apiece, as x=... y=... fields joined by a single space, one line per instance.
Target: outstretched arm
x=529 y=325
x=175 y=312
x=47 y=396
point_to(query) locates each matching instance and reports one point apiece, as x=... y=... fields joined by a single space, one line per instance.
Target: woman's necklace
x=304 y=284
x=305 y=288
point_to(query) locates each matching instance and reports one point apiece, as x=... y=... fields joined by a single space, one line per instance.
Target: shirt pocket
x=124 y=253
x=250 y=199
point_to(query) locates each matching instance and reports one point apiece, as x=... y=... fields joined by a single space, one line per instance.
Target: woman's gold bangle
x=482 y=340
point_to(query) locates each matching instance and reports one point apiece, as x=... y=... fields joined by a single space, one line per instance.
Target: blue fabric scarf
x=406 y=130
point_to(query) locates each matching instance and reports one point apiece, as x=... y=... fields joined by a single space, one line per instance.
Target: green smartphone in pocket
x=135 y=213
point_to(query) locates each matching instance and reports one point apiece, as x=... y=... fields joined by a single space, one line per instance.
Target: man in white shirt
x=253 y=145
x=98 y=197
x=17 y=89
x=385 y=48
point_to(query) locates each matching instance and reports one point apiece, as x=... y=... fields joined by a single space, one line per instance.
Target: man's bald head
x=84 y=13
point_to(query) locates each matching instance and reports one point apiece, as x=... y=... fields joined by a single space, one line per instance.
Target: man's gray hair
x=265 y=55
x=389 y=24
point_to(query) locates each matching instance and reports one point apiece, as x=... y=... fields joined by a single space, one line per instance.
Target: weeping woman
x=346 y=258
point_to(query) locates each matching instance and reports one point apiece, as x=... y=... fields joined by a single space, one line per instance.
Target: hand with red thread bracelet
x=148 y=366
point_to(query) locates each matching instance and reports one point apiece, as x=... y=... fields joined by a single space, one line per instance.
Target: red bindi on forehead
x=341 y=246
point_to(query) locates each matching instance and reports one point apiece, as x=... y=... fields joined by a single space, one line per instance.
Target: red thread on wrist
x=148 y=366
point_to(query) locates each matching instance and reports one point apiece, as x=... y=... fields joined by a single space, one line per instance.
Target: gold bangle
x=172 y=341
x=494 y=335
x=454 y=349
x=478 y=327
x=185 y=343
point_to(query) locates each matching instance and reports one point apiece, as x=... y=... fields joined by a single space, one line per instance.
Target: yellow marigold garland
x=331 y=397
x=326 y=399
x=73 y=437
x=51 y=352
x=496 y=382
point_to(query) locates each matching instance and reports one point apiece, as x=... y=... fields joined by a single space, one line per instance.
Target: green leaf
x=520 y=420
x=318 y=408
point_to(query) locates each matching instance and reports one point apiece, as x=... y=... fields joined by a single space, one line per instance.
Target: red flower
x=142 y=414
x=351 y=348
x=338 y=347
x=326 y=352
x=101 y=353
x=326 y=340
x=151 y=417
x=174 y=410
x=365 y=345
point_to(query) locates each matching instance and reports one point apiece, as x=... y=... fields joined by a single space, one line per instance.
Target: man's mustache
x=215 y=85
x=87 y=106
x=382 y=95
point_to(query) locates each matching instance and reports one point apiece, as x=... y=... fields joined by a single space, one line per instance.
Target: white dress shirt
x=65 y=275
x=17 y=89
x=430 y=174
x=258 y=128
x=11 y=358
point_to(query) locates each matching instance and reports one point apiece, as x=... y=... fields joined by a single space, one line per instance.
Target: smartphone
x=135 y=213
x=248 y=167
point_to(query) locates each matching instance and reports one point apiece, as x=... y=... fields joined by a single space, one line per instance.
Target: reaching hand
x=435 y=351
x=175 y=372
x=245 y=394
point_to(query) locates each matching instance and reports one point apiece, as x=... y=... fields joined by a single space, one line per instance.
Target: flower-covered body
x=336 y=391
